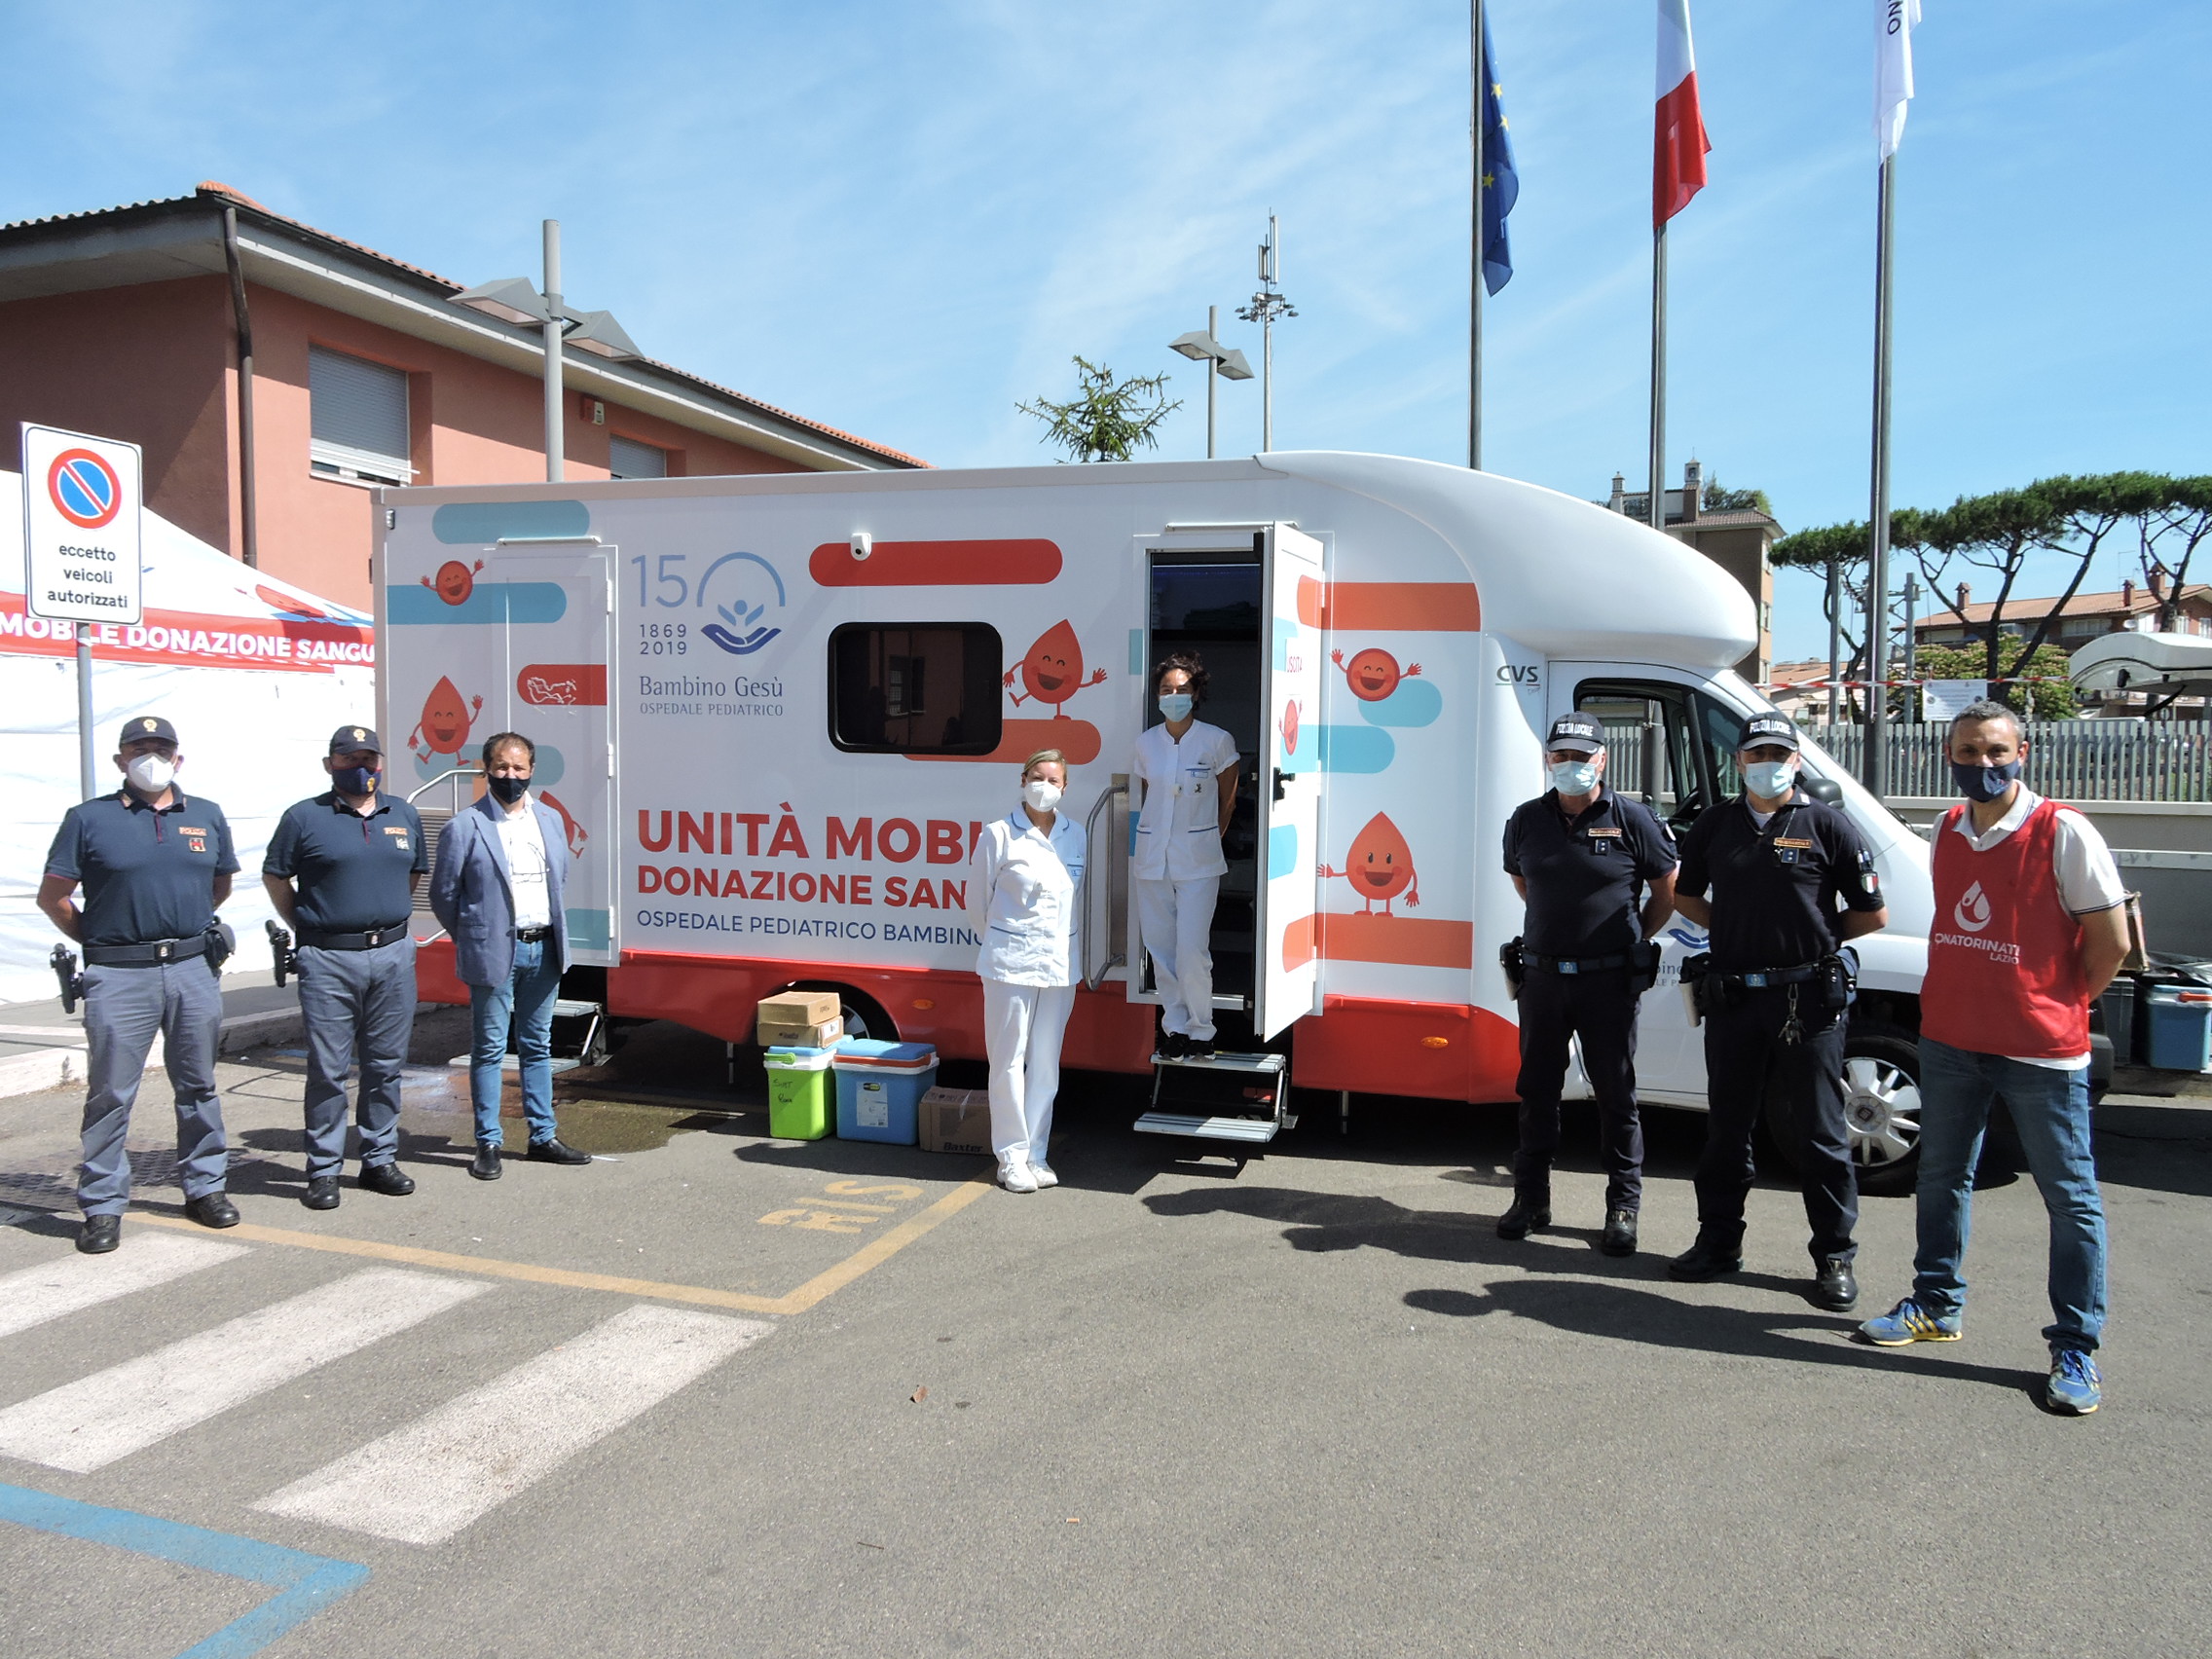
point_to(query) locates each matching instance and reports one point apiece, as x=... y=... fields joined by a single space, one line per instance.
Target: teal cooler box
x=880 y=1087
x=2178 y=1028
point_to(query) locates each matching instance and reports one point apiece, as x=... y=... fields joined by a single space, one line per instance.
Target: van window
x=915 y=688
x=1674 y=747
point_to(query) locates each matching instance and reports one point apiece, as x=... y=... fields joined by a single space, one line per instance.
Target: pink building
x=162 y=323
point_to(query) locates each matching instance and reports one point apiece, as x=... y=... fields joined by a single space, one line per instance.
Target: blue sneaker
x=2074 y=1385
x=1909 y=1322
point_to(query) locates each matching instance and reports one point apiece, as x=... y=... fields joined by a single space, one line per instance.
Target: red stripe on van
x=563 y=684
x=1431 y=1050
x=1077 y=739
x=1410 y=941
x=1414 y=607
x=937 y=563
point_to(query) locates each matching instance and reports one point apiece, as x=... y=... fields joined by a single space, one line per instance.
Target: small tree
x=2041 y=692
x=1720 y=499
x=1105 y=420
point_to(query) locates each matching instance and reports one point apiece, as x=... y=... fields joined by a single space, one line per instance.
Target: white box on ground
x=82 y=498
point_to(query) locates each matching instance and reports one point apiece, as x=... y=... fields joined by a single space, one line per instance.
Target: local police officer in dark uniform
x=1781 y=881
x=342 y=869
x=155 y=863
x=1581 y=857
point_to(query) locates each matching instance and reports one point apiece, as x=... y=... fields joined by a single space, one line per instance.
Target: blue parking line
x=305 y=1583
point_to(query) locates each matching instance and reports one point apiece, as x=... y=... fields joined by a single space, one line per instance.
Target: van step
x=569 y=1008
x=513 y=1063
x=1255 y=1131
x=1257 y=1064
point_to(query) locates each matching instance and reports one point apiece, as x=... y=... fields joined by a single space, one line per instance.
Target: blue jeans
x=2051 y=1111
x=524 y=1002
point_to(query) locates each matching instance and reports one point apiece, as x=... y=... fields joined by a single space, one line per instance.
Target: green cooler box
x=802 y=1097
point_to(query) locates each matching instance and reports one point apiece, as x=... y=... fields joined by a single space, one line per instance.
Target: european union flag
x=1502 y=184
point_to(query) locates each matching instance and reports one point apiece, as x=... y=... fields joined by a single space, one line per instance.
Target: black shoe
x=1620 y=1233
x=388 y=1179
x=322 y=1192
x=1174 y=1045
x=213 y=1209
x=1835 y=1289
x=101 y=1234
x=486 y=1164
x=556 y=1152
x=1707 y=1259
x=1528 y=1212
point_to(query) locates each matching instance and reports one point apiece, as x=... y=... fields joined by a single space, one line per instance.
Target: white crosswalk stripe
x=424 y=1483
x=87 y=1424
x=31 y=1296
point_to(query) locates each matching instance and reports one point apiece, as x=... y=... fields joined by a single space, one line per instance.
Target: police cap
x=1578 y=733
x=349 y=738
x=140 y=727
x=1762 y=729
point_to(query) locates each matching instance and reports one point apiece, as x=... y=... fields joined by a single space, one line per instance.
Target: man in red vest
x=2029 y=926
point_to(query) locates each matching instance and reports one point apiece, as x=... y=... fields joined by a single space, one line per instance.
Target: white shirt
x=2088 y=881
x=1025 y=885
x=1179 y=831
x=525 y=846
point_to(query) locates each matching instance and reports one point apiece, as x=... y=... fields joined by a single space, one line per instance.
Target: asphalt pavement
x=717 y=1393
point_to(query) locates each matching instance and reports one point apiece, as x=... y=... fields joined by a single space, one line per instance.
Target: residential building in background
x=1739 y=539
x=133 y=323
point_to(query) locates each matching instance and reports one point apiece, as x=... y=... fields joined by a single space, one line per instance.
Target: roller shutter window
x=629 y=458
x=358 y=418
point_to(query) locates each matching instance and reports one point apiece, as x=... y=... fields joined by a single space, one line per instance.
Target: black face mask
x=1984 y=782
x=355 y=779
x=509 y=790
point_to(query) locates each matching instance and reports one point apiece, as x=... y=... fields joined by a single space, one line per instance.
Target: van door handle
x=1279 y=783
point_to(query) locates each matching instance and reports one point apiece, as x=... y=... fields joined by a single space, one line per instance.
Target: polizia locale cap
x=347 y=738
x=1762 y=729
x=140 y=727
x=1579 y=733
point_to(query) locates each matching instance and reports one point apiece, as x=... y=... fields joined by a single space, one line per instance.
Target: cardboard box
x=779 y=1036
x=800 y=1008
x=956 y=1119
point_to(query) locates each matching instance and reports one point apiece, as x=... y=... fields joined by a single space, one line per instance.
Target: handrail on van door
x=451 y=778
x=1092 y=981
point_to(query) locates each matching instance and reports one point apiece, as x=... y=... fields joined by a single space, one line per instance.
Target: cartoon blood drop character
x=1054 y=668
x=1380 y=866
x=1290 y=728
x=444 y=726
x=454 y=581
x=1372 y=673
x=570 y=827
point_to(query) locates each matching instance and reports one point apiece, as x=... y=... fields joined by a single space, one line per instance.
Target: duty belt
x=1762 y=978
x=1574 y=964
x=531 y=936
x=151 y=954
x=374 y=939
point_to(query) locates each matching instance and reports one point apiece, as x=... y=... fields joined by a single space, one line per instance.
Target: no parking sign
x=81 y=506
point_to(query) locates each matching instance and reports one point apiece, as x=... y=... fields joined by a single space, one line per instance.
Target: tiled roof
x=2083 y=605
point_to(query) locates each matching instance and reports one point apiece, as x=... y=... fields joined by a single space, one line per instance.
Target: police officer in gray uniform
x=155 y=863
x=342 y=869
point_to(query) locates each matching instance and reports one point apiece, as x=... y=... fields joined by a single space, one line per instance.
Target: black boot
x=1620 y=1231
x=1528 y=1212
x=1709 y=1257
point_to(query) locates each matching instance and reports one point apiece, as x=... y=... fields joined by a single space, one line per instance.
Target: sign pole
x=1475 y=289
x=88 y=764
x=1875 y=774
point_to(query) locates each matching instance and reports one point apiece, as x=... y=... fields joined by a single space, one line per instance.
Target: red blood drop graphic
x=1373 y=675
x=1380 y=864
x=1290 y=729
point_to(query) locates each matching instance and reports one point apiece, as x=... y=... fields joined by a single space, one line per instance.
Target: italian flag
x=1679 y=142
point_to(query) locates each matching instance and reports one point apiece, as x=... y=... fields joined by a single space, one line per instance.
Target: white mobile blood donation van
x=775 y=712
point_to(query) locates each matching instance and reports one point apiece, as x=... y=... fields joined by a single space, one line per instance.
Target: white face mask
x=1770 y=779
x=1041 y=796
x=151 y=773
x=1574 y=777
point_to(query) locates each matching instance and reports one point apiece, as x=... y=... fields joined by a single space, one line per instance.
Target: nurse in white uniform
x=1188 y=772
x=1027 y=874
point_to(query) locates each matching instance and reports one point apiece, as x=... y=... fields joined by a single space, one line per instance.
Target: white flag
x=1894 y=24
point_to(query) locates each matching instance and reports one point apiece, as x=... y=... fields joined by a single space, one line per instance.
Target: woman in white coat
x=1027 y=873
x=1188 y=771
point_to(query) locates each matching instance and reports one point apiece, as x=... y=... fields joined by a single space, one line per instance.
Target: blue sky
x=904 y=219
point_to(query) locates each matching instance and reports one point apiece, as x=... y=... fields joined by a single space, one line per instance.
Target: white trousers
x=1178 y=919
x=1022 y=1028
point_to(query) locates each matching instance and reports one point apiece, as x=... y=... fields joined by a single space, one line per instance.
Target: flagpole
x=1876 y=771
x=1836 y=640
x=1478 y=109
x=1658 y=503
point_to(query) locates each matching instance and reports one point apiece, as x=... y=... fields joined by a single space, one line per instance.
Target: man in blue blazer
x=497 y=887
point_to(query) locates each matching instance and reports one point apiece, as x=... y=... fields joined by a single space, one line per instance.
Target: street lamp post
x=1221 y=362
x=511 y=298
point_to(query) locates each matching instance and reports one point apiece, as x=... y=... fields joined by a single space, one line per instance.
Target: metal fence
x=2069 y=760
